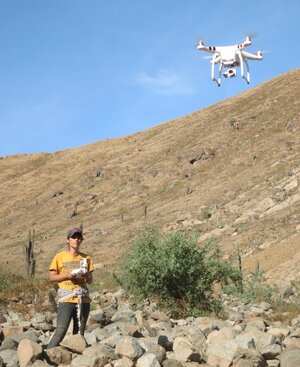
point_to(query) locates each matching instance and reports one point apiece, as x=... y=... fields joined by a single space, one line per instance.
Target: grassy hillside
x=231 y=170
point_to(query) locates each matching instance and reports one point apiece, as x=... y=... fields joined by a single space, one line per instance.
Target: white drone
x=83 y=268
x=230 y=57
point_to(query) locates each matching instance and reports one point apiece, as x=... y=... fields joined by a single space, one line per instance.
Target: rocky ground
x=121 y=333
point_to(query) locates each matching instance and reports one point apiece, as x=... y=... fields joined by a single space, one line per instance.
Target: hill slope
x=231 y=170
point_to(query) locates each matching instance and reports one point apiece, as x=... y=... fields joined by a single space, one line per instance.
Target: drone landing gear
x=218 y=81
x=213 y=62
x=247 y=77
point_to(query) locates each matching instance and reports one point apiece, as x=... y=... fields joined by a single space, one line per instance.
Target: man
x=72 y=270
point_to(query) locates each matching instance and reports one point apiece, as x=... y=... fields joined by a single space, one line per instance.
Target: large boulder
x=28 y=351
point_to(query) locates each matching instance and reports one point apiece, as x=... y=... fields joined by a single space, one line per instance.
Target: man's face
x=75 y=241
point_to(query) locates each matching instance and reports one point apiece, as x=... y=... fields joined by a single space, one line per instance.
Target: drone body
x=230 y=57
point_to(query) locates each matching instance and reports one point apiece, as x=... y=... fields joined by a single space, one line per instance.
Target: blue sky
x=73 y=72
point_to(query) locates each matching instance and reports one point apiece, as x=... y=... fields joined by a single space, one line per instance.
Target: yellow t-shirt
x=64 y=262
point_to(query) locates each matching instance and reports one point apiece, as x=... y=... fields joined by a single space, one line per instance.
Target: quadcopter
x=230 y=57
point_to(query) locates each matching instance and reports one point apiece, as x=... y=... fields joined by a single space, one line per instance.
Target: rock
x=172 y=363
x=255 y=324
x=99 y=333
x=39 y=363
x=83 y=360
x=57 y=193
x=248 y=358
x=221 y=335
x=261 y=339
x=9 y=357
x=290 y=358
x=90 y=338
x=185 y=351
x=287 y=291
x=113 y=340
x=236 y=317
x=273 y=363
x=9 y=343
x=41 y=322
x=103 y=353
x=146 y=331
x=296 y=321
x=59 y=355
x=166 y=340
x=208 y=324
x=31 y=335
x=159 y=316
x=295 y=333
x=129 y=347
x=270 y=352
x=196 y=336
x=129 y=329
x=123 y=362
x=161 y=325
x=222 y=354
x=265 y=306
x=28 y=351
x=11 y=330
x=147 y=360
x=120 y=295
x=291 y=343
x=151 y=347
x=279 y=333
x=257 y=310
x=76 y=343
x=124 y=317
x=97 y=318
x=245 y=341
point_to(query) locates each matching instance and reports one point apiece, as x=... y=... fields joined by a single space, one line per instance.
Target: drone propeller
x=199 y=41
x=252 y=35
x=201 y=38
x=263 y=51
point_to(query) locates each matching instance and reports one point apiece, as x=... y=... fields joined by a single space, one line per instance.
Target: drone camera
x=230 y=73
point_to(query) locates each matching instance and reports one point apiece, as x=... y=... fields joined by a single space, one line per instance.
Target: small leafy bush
x=175 y=270
x=255 y=289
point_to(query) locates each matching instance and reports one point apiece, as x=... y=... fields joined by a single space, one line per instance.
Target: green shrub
x=175 y=270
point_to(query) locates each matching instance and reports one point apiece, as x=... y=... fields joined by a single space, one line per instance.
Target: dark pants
x=67 y=311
